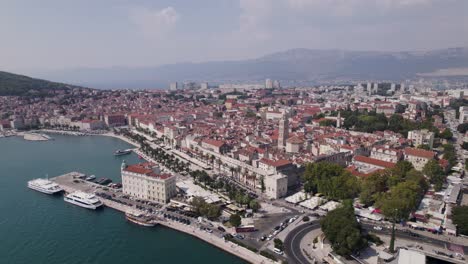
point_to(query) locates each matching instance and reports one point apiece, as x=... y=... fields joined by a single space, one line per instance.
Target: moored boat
x=85 y=200
x=121 y=152
x=90 y=178
x=140 y=219
x=44 y=186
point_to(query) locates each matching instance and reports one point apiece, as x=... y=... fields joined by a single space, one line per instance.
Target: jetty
x=114 y=198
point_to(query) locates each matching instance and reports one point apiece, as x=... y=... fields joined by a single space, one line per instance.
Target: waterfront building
x=114 y=120
x=145 y=181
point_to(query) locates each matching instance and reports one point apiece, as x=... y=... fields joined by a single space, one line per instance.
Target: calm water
x=37 y=228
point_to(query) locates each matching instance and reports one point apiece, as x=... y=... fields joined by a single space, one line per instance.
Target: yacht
x=122 y=152
x=140 y=219
x=44 y=186
x=86 y=200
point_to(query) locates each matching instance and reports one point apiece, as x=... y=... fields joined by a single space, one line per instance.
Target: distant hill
x=20 y=85
x=291 y=65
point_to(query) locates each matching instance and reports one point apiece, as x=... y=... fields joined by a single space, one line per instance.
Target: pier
x=71 y=182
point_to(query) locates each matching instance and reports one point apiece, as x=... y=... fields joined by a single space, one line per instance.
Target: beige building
x=294 y=144
x=386 y=153
x=145 y=181
x=418 y=157
x=276 y=186
x=421 y=137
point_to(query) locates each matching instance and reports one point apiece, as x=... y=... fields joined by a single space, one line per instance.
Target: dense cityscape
x=258 y=164
x=234 y=132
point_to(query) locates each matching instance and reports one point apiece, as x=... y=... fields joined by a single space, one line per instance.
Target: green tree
x=446 y=134
x=235 y=220
x=278 y=244
x=460 y=219
x=262 y=184
x=343 y=231
x=435 y=174
x=254 y=205
x=331 y=180
x=371 y=186
x=462 y=128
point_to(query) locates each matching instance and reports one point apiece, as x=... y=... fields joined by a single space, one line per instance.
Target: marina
x=48 y=222
x=148 y=215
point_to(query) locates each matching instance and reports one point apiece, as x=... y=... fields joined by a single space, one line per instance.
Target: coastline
x=215 y=241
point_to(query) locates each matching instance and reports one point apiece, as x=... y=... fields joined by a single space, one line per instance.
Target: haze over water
x=37 y=228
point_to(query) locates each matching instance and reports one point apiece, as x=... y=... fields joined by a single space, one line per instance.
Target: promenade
x=70 y=183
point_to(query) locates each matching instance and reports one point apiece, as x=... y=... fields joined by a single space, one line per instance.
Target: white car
x=377 y=228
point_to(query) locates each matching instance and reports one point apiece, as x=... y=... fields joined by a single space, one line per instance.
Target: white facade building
x=276 y=186
x=145 y=181
x=421 y=137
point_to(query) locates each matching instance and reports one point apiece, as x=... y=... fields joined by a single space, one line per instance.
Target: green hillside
x=20 y=85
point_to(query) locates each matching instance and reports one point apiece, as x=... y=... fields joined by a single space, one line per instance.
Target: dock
x=71 y=182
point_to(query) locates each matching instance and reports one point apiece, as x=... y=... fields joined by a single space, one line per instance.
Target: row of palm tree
x=168 y=160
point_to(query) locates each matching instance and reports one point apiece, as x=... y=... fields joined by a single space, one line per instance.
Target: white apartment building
x=421 y=137
x=386 y=153
x=145 y=181
x=463 y=118
x=418 y=157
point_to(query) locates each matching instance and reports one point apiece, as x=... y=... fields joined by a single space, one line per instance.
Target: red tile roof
x=420 y=153
x=213 y=142
x=277 y=163
x=146 y=168
x=375 y=162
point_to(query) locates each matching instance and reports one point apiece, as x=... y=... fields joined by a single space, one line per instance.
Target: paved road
x=295 y=254
x=292 y=243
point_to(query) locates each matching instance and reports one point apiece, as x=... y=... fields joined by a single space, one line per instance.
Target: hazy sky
x=56 y=34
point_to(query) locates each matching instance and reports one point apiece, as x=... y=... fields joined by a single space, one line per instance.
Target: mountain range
x=305 y=65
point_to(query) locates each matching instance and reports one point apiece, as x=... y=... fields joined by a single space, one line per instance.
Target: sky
x=67 y=34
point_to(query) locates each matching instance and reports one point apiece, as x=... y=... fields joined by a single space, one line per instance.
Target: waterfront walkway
x=70 y=183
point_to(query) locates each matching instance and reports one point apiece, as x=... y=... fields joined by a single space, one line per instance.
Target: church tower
x=283 y=131
x=338 y=120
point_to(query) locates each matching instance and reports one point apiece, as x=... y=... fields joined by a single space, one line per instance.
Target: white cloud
x=351 y=7
x=154 y=23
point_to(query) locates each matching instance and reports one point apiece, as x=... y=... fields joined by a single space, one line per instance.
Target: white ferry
x=86 y=200
x=44 y=186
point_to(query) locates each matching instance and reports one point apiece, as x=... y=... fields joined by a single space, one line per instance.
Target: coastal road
x=295 y=255
x=292 y=243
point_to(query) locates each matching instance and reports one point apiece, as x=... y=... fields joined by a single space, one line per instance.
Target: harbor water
x=38 y=228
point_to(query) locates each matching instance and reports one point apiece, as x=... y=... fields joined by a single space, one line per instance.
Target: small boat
x=121 y=152
x=140 y=157
x=104 y=181
x=91 y=178
x=140 y=219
